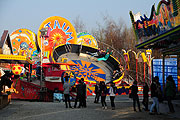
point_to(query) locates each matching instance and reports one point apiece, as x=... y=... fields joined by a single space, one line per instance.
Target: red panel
x=52 y=73
x=53 y=85
x=25 y=90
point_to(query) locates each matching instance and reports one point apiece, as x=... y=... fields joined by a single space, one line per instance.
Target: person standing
x=145 y=96
x=66 y=88
x=103 y=91
x=112 y=94
x=135 y=97
x=97 y=90
x=170 y=91
x=79 y=90
x=84 y=93
x=154 y=95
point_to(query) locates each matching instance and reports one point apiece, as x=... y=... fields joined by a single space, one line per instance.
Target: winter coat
x=134 y=91
x=170 y=89
x=145 y=91
x=154 y=90
x=103 y=90
x=97 y=89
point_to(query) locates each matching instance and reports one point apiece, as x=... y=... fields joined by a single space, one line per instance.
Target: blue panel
x=170 y=69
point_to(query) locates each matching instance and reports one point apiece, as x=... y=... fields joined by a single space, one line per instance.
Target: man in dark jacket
x=170 y=91
x=79 y=90
x=97 y=92
x=84 y=93
x=145 y=96
x=134 y=91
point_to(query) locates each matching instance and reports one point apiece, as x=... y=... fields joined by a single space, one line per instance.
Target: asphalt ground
x=26 y=110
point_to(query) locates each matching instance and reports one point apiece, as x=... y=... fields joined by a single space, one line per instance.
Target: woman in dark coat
x=103 y=91
x=145 y=96
x=170 y=91
x=134 y=91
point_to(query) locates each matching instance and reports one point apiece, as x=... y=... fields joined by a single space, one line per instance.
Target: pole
x=136 y=70
x=163 y=67
x=41 y=65
x=29 y=78
x=144 y=71
x=149 y=68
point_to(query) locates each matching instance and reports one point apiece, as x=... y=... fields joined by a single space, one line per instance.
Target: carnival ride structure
x=60 y=50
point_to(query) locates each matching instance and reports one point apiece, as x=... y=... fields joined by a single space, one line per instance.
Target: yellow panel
x=12 y=57
x=15 y=57
x=63 y=67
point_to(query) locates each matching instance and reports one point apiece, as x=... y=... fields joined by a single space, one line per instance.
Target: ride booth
x=54 y=74
x=161 y=31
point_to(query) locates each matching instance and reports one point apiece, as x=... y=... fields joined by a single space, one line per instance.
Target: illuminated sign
x=161 y=20
x=61 y=32
x=87 y=40
x=23 y=42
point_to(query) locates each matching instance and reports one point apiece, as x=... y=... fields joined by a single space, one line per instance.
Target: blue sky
x=15 y=14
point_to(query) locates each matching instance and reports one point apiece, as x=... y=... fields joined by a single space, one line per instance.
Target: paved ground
x=25 y=110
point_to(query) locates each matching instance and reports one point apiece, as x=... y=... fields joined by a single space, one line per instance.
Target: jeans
x=170 y=105
x=155 y=103
x=112 y=101
x=136 y=99
x=145 y=102
x=67 y=99
x=80 y=99
x=103 y=101
x=96 y=98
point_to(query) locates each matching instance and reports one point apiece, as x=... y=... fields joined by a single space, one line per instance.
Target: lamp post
x=136 y=57
x=44 y=32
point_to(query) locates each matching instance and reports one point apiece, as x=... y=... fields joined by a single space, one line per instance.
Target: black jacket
x=134 y=91
x=103 y=90
x=145 y=91
x=154 y=92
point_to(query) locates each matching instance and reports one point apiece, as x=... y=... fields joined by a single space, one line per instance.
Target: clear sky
x=15 y=14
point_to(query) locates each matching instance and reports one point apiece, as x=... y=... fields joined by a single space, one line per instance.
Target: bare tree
x=79 y=25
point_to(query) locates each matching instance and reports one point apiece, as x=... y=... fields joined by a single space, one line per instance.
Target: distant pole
x=137 y=70
x=144 y=71
x=136 y=57
x=41 y=64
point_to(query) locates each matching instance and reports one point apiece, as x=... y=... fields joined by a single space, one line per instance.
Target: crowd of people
x=101 y=92
x=156 y=95
x=80 y=89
